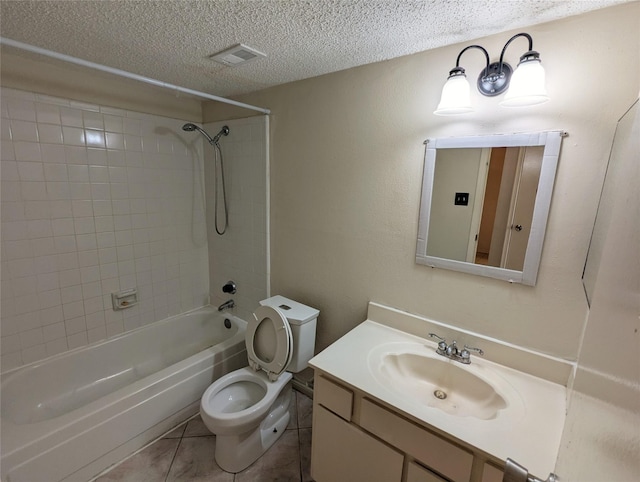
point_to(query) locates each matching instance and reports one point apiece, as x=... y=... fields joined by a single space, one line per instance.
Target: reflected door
x=525 y=190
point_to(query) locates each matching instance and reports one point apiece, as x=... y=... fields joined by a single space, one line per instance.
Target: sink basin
x=418 y=373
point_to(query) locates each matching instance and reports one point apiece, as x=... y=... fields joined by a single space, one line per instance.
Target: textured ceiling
x=171 y=40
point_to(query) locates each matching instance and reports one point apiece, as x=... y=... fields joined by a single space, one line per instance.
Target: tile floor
x=186 y=454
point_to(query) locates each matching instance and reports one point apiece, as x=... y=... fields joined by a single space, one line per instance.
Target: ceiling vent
x=237 y=55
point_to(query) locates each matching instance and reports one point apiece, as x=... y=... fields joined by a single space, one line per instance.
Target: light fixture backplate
x=493 y=82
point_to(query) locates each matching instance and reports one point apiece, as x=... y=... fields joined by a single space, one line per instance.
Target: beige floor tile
x=149 y=465
x=281 y=463
x=293 y=409
x=195 y=462
x=305 y=454
x=176 y=432
x=305 y=410
x=196 y=428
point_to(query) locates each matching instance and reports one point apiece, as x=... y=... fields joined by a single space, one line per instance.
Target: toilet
x=249 y=409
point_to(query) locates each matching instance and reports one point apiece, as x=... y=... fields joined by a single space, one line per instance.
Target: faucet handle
x=466 y=356
x=471 y=348
x=229 y=287
x=442 y=345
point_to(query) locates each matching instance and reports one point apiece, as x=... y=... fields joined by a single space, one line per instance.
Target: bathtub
x=72 y=415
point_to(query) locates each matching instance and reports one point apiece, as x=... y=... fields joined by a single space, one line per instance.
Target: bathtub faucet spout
x=226 y=305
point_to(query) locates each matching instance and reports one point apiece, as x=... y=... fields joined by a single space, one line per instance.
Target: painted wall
x=347 y=155
x=602 y=433
x=94 y=200
x=26 y=71
x=456 y=170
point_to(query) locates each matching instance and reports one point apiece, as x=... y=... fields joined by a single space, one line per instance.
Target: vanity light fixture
x=525 y=85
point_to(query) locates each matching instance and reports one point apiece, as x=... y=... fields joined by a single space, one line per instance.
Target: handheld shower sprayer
x=189 y=127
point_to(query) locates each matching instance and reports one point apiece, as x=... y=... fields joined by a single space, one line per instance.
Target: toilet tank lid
x=296 y=313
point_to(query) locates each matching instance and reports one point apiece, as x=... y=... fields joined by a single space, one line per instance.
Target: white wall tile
x=34 y=353
x=55 y=154
x=22 y=110
x=92 y=120
x=56 y=346
x=24 y=131
x=55 y=172
x=27 y=151
x=71 y=294
x=71 y=117
x=93 y=201
x=94 y=138
x=77 y=340
x=75 y=154
x=113 y=123
x=49 y=134
x=73 y=136
x=47 y=113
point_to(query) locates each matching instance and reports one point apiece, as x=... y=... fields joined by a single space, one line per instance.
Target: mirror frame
x=551 y=140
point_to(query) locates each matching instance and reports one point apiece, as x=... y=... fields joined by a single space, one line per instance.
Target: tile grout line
x=175 y=454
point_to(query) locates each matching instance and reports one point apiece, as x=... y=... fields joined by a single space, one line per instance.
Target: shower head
x=189 y=127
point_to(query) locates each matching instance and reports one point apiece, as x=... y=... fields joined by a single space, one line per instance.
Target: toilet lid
x=269 y=342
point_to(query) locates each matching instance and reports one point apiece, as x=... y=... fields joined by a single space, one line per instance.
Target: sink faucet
x=453 y=352
x=226 y=305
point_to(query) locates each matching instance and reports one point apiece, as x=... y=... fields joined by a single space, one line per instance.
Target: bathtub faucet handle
x=229 y=287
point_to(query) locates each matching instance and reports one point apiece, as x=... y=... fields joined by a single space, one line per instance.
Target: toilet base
x=236 y=452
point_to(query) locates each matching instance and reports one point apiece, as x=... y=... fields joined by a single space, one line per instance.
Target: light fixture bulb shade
x=527 y=86
x=456 y=96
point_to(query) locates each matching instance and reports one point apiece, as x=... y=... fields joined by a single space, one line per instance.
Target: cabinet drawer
x=417 y=473
x=334 y=397
x=444 y=457
x=341 y=452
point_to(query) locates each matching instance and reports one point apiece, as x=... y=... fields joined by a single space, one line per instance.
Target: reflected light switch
x=462 y=199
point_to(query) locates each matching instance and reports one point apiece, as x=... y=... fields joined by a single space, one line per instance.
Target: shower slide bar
x=124 y=73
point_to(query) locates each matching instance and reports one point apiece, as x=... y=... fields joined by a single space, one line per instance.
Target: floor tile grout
x=301 y=410
x=175 y=453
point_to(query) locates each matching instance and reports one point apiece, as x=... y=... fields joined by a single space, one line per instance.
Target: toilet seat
x=269 y=341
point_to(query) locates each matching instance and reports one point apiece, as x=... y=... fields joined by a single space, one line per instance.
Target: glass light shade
x=527 y=85
x=456 y=96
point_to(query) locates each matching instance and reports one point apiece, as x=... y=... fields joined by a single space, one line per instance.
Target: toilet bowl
x=240 y=400
x=249 y=409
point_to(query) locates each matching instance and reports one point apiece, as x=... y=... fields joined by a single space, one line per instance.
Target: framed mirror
x=485 y=202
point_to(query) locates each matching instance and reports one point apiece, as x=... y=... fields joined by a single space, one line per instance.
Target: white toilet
x=248 y=409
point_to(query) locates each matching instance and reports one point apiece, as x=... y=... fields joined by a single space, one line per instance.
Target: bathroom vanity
x=388 y=408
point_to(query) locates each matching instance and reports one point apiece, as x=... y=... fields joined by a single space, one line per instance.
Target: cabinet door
x=417 y=473
x=446 y=458
x=340 y=452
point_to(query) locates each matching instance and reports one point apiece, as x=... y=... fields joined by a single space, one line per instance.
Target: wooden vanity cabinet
x=356 y=438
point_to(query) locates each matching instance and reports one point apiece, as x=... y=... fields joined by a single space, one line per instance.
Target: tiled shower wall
x=242 y=253
x=94 y=200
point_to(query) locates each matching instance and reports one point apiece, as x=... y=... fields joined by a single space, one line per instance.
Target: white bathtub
x=71 y=416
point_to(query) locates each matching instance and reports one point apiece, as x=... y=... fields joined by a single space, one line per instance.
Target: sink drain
x=440 y=394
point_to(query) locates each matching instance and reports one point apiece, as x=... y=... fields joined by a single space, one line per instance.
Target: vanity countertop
x=527 y=431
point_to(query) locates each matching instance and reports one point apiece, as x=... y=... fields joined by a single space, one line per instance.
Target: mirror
x=621 y=158
x=485 y=202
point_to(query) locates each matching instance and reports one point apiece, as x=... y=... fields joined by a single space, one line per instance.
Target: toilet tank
x=303 y=320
